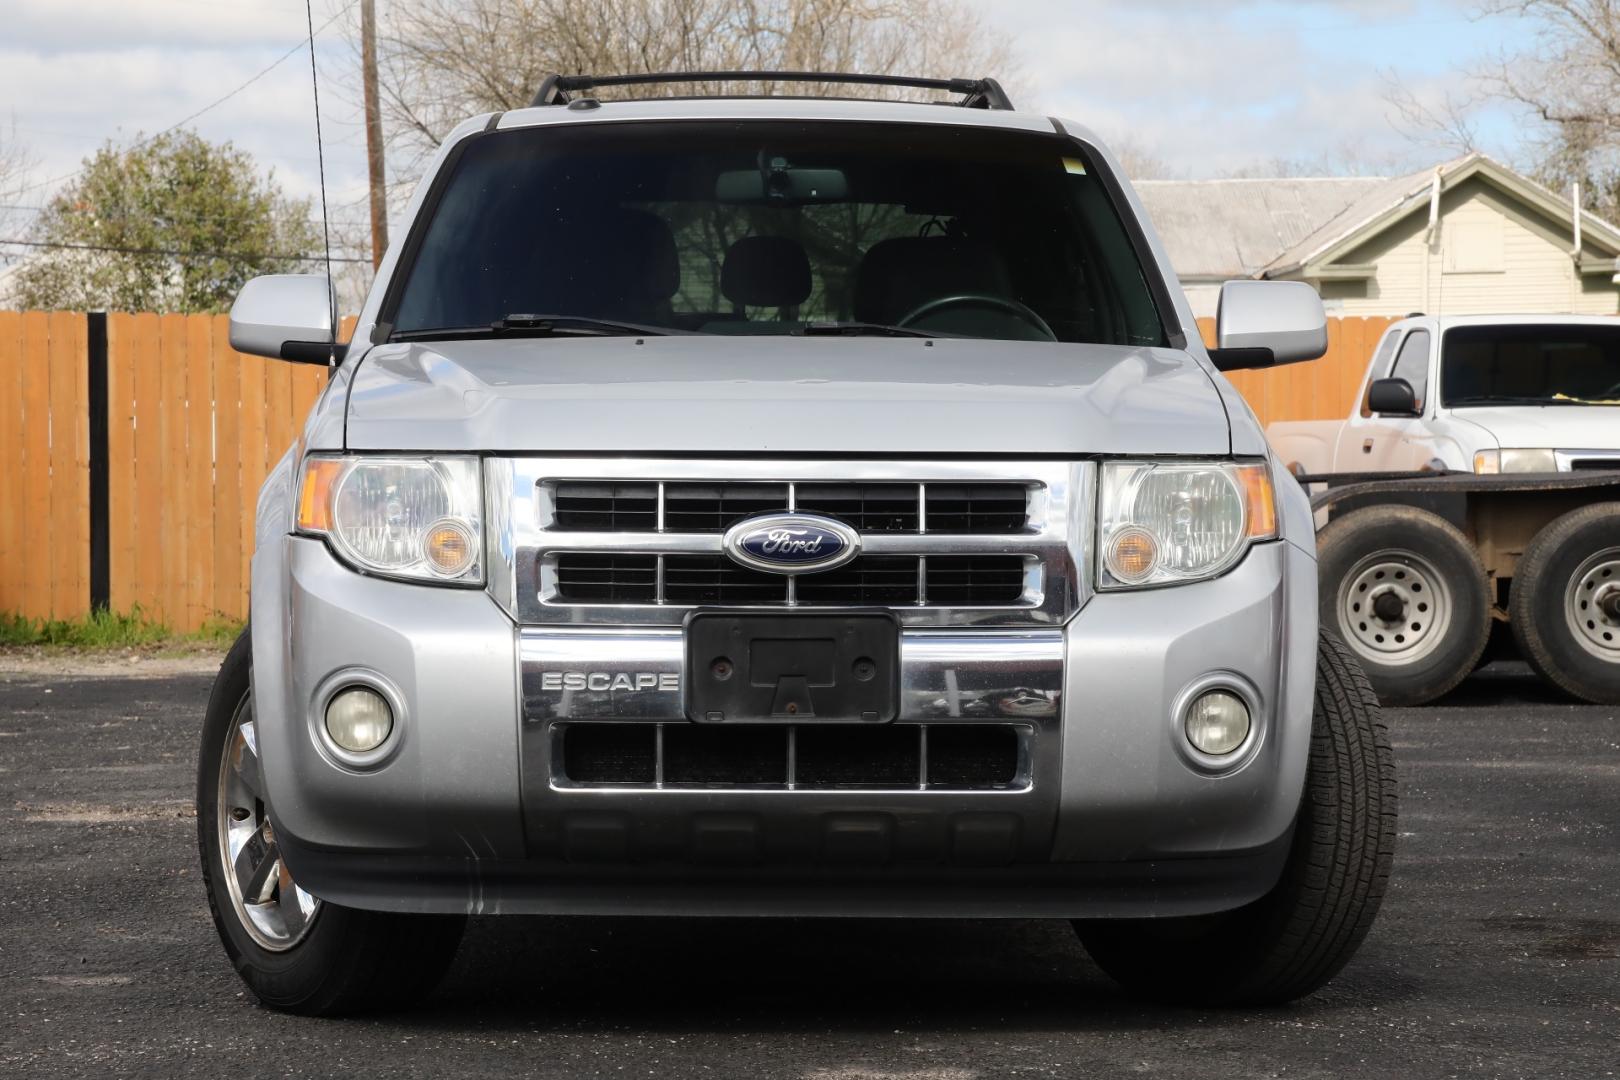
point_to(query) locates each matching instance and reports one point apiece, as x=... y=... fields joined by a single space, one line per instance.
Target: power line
x=211 y=105
x=313 y=219
x=237 y=256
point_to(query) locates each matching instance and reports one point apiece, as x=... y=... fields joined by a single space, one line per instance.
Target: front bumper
x=1108 y=816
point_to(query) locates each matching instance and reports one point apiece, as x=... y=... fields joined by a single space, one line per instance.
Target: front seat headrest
x=766 y=271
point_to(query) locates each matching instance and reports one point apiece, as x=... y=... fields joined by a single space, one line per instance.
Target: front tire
x=1406 y=591
x=1295 y=938
x=296 y=953
x=1565 y=605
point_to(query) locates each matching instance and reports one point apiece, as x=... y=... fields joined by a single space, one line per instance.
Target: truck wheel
x=1405 y=589
x=1565 y=606
x=296 y=952
x=1295 y=938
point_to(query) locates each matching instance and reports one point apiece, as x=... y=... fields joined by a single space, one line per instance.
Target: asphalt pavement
x=1497 y=953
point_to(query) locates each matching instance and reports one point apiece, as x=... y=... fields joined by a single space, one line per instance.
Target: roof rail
x=976 y=93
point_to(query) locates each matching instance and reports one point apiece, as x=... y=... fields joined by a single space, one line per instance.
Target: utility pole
x=374 y=143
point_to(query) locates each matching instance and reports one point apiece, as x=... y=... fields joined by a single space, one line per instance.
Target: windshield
x=751 y=227
x=1519 y=365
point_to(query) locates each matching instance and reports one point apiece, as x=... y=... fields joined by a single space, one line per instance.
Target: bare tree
x=1447 y=124
x=444 y=60
x=15 y=163
x=1140 y=162
x=1569 y=72
x=1567 y=75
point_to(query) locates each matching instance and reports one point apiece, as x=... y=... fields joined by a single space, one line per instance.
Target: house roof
x=1272 y=228
x=1221 y=229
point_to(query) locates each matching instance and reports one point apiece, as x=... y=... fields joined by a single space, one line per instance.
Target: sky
x=1203 y=87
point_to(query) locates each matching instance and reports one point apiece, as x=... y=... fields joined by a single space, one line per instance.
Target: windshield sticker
x=1074 y=166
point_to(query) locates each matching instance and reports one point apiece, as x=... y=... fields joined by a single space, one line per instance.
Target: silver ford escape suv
x=781 y=506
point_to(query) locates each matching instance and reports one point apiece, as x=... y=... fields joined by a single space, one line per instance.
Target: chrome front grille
x=982 y=508
x=585 y=577
x=639 y=541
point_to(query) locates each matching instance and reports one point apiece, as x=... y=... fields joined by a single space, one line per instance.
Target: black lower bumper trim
x=435 y=883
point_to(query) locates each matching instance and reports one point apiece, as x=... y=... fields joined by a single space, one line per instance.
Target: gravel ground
x=1497 y=954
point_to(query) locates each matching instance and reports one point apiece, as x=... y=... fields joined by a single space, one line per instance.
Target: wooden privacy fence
x=135 y=446
x=1321 y=390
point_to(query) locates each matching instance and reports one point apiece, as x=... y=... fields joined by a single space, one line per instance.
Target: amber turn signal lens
x=315 y=494
x=1133 y=554
x=1260 y=501
x=448 y=547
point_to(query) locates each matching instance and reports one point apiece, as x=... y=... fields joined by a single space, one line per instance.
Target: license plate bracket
x=792 y=669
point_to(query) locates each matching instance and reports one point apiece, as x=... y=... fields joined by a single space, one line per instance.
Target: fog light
x=1217 y=723
x=359 y=720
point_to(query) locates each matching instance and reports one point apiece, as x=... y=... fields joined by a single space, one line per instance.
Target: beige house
x=1466 y=237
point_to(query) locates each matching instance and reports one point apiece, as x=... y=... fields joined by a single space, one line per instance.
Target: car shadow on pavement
x=1503 y=682
x=796 y=975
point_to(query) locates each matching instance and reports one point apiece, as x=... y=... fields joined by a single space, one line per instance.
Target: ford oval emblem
x=792 y=543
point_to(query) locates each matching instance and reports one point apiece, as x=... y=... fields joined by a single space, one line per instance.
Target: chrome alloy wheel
x=1592 y=605
x=1394 y=607
x=274 y=911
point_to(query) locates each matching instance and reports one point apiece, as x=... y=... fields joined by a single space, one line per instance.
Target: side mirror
x=1392 y=397
x=1264 y=323
x=286 y=317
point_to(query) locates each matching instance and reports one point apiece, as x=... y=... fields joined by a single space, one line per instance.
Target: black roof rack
x=976 y=93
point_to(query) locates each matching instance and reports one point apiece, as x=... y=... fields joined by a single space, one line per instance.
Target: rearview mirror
x=286 y=317
x=777 y=182
x=1392 y=397
x=1265 y=323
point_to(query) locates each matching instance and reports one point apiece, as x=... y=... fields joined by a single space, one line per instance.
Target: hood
x=709 y=394
x=1559 y=427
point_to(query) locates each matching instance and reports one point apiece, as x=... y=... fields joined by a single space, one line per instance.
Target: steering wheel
x=1002 y=303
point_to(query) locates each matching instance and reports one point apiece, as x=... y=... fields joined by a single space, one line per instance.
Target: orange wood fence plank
x=278 y=426
x=120 y=463
x=69 y=457
x=174 y=349
x=199 y=472
x=145 y=344
x=36 y=384
x=12 y=534
x=226 y=502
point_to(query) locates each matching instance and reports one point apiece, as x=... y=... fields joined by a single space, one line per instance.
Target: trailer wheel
x=1406 y=591
x=1565 y=606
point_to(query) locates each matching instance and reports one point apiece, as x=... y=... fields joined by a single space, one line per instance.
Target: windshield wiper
x=860 y=329
x=537 y=326
x=1512 y=399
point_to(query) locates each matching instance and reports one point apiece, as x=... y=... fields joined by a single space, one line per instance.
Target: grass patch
x=112 y=630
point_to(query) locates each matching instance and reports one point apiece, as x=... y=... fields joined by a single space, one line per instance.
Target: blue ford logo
x=792 y=543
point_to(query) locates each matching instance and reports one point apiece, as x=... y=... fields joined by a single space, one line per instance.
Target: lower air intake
x=936 y=757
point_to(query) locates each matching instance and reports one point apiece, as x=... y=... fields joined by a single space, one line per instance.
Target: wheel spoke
x=246 y=764
x=296 y=906
x=258 y=869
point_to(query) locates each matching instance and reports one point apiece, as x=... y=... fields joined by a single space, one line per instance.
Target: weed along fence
x=135 y=446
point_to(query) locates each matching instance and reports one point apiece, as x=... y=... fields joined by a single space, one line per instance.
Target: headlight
x=407 y=517
x=1165 y=522
x=1501 y=461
